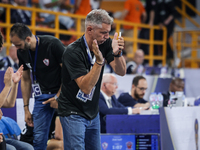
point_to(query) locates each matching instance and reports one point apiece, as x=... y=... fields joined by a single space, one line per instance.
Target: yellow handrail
x=184 y=14
x=78 y=32
x=191 y=7
x=193 y=45
x=180 y=37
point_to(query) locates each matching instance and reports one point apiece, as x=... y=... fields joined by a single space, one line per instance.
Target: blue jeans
x=12 y=144
x=80 y=133
x=42 y=116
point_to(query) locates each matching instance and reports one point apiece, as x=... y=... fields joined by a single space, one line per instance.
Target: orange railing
x=184 y=14
x=151 y=57
x=187 y=45
x=187 y=41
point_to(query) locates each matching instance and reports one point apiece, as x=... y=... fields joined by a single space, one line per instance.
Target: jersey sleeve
x=57 y=50
x=21 y=62
x=127 y=5
x=74 y=63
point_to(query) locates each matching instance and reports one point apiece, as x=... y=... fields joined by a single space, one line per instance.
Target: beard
x=138 y=96
x=26 y=46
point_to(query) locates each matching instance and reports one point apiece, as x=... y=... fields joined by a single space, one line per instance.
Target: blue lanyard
x=34 y=65
x=91 y=61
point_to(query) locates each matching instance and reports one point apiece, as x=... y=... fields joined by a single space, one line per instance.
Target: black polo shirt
x=49 y=58
x=76 y=64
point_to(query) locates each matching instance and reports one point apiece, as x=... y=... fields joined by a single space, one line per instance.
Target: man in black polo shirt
x=83 y=63
x=42 y=55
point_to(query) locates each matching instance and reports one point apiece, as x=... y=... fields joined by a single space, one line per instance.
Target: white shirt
x=107 y=98
x=108 y=103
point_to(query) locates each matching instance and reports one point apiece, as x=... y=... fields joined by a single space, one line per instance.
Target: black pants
x=170 y=30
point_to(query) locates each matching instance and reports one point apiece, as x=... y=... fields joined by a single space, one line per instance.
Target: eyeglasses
x=179 y=86
x=115 y=84
x=142 y=89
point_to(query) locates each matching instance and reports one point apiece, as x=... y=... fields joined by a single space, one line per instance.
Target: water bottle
x=160 y=99
x=153 y=101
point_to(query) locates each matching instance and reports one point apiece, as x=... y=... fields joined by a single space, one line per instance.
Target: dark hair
x=1 y=40
x=176 y=79
x=137 y=79
x=21 y=30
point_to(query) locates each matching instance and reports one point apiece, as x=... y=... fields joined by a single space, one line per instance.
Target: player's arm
x=16 y=77
x=8 y=84
x=88 y=81
x=26 y=93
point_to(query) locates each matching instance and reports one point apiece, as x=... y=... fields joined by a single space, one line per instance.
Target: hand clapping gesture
x=97 y=52
x=8 y=77
x=11 y=77
x=18 y=75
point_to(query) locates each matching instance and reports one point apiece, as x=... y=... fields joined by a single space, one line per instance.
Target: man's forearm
x=152 y=16
x=10 y=101
x=147 y=104
x=119 y=65
x=168 y=20
x=26 y=91
x=4 y=95
x=88 y=81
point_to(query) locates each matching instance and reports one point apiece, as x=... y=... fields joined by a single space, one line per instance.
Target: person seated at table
x=108 y=103
x=135 y=97
x=177 y=84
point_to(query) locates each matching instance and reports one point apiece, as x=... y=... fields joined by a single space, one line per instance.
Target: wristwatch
x=119 y=54
x=56 y=97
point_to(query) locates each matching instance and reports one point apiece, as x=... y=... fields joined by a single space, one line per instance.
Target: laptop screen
x=130 y=141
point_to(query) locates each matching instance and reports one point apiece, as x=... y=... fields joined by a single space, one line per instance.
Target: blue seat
x=9 y=127
x=4 y=130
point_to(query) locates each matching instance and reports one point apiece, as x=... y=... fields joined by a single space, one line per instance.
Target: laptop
x=147 y=141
